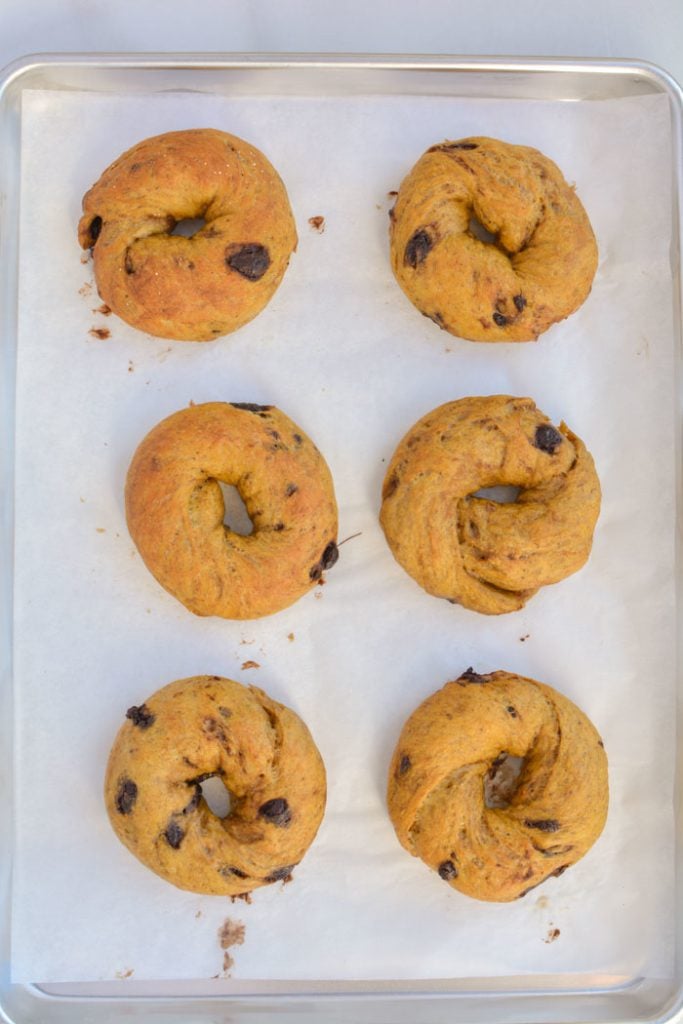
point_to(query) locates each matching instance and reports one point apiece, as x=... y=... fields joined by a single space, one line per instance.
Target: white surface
x=650 y=30
x=346 y=356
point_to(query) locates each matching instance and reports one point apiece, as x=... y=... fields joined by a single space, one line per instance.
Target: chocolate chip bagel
x=188 y=732
x=175 y=509
x=489 y=556
x=198 y=288
x=532 y=265
x=498 y=783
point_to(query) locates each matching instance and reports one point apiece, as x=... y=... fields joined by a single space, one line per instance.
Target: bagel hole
x=502 y=780
x=503 y=495
x=479 y=231
x=188 y=227
x=235 y=517
x=217 y=796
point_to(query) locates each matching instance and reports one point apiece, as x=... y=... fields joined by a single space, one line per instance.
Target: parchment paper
x=347 y=357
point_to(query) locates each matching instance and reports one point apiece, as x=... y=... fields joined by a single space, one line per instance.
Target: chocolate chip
x=445 y=146
x=519 y=301
x=290 y=489
x=94 y=230
x=250 y=407
x=547 y=438
x=227 y=871
x=511 y=711
x=281 y=874
x=279 y=527
x=126 y=795
x=447 y=870
x=194 y=801
x=499 y=319
x=417 y=248
x=470 y=676
x=141 y=716
x=174 y=835
x=298 y=439
x=251 y=260
x=276 y=811
x=403 y=765
x=390 y=486
x=330 y=555
x=542 y=824
x=438 y=319
x=327 y=560
x=559 y=871
x=128 y=262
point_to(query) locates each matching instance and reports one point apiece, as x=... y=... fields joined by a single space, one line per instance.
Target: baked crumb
x=231 y=933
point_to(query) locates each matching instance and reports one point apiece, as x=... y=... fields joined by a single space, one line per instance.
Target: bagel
x=535 y=268
x=195 y=729
x=489 y=556
x=498 y=783
x=198 y=288
x=175 y=509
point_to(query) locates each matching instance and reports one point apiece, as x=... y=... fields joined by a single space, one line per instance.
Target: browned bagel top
x=175 y=509
x=535 y=267
x=203 y=727
x=200 y=287
x=486 y=555
x=493 y=840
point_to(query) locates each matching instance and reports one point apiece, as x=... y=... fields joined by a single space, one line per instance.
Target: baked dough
x=190 y=731
x=189 y=289
x=538 y=265
x=489 y=556
x=175 y=509
x=498 y=783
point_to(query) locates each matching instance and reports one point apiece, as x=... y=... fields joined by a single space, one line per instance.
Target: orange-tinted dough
x=489 y=556
x=189 y=289
x=488 y=840
x=537 y=268
x=175 y=509
x=207 y=726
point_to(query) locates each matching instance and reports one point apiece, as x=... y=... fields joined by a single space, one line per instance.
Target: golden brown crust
x=489 y=556
x=207 y=726
x=189 y=289
x=537 y=270
x=175 y=509
x=448 y=755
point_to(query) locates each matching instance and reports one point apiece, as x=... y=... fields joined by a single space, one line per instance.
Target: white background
x=600 y=28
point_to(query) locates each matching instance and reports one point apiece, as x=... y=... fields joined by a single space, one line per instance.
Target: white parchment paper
x=347 y=357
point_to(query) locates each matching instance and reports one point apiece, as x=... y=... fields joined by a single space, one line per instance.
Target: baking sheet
x=345 y=355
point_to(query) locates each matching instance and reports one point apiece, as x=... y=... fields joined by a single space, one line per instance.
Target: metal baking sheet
x=526 y=997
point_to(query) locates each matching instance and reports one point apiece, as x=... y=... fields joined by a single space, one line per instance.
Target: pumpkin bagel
x=204 y=286
x=175 y=509
x=532 y=265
